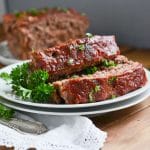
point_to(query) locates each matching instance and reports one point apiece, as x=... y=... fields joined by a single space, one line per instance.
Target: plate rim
x=65 y=106
x=115 y=108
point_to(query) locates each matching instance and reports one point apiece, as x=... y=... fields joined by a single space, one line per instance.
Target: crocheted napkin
x=65 y=133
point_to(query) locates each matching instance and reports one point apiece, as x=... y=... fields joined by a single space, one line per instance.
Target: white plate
x=87 y=111
x=5 y=91
x=6 y=57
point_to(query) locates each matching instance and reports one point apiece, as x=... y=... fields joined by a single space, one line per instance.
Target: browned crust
x=129 y=77
x=42 y=31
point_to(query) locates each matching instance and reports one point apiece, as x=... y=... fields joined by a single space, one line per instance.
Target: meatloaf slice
x=102 y=85
x=42 y=28
x=75 y=55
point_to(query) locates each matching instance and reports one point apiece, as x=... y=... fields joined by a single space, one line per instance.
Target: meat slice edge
x=102 y=85
x=75 y=55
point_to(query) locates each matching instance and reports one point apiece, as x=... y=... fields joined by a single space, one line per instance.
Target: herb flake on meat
x=113 y=96
x=89 y=35
x=108 y=63
x=90 y=70
x=91 y=96
x=92 y=92
x=97 y=88
x=70 y=61
x=65 y=10
x=81 y=47
x=33 y=11
x=112 y=80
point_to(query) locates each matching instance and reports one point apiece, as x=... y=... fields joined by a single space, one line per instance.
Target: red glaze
x=128 y=77
x=75 y=55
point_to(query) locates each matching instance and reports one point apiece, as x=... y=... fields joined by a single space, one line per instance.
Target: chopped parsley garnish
x=89 y=35
x=31 y=85
x=113 y=96
x=93 y=91
x=74 y=76
x=91 y=70
x=81 y=47
x=33 y=11
x=108 y=63
x=17 y=14
x=91 y=96
x=97 y=88
x=5 y=112
x=112 y=80
x=70 y=61
x=62 y=9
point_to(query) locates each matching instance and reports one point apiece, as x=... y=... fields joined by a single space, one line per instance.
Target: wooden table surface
x=128 y=129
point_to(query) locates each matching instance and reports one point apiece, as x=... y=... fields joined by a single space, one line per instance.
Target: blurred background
x=127 y=19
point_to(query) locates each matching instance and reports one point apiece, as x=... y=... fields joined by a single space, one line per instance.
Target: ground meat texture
x=29 y=32
x=74 y=55
x=102 y=85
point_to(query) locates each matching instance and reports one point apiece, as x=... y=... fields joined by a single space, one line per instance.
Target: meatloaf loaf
x=106 y=84
x=42 y=28
x=75 y=55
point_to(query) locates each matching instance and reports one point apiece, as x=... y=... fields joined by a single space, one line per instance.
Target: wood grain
x=128 y=129
x=140 y=55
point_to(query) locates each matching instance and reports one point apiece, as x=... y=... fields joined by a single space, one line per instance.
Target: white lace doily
x=65 y=133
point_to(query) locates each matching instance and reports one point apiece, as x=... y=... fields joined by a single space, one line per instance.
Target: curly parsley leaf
x=29 y=85
x=36 y=78
x=42 y=93
x=91 y=70
x=113 y=96
x=97 y=88
x=5 y=112
x=81 y=47
x=112 y=80
x=21 y=92
x=19 y=75
x=33 y=11
x=5 y=76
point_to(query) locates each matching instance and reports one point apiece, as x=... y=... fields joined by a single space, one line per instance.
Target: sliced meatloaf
x=42 y=28
x=109 y=83
x=75 y=55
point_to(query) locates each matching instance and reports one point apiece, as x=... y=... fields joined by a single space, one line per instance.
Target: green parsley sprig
x=30 y=85
x=5 y=112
